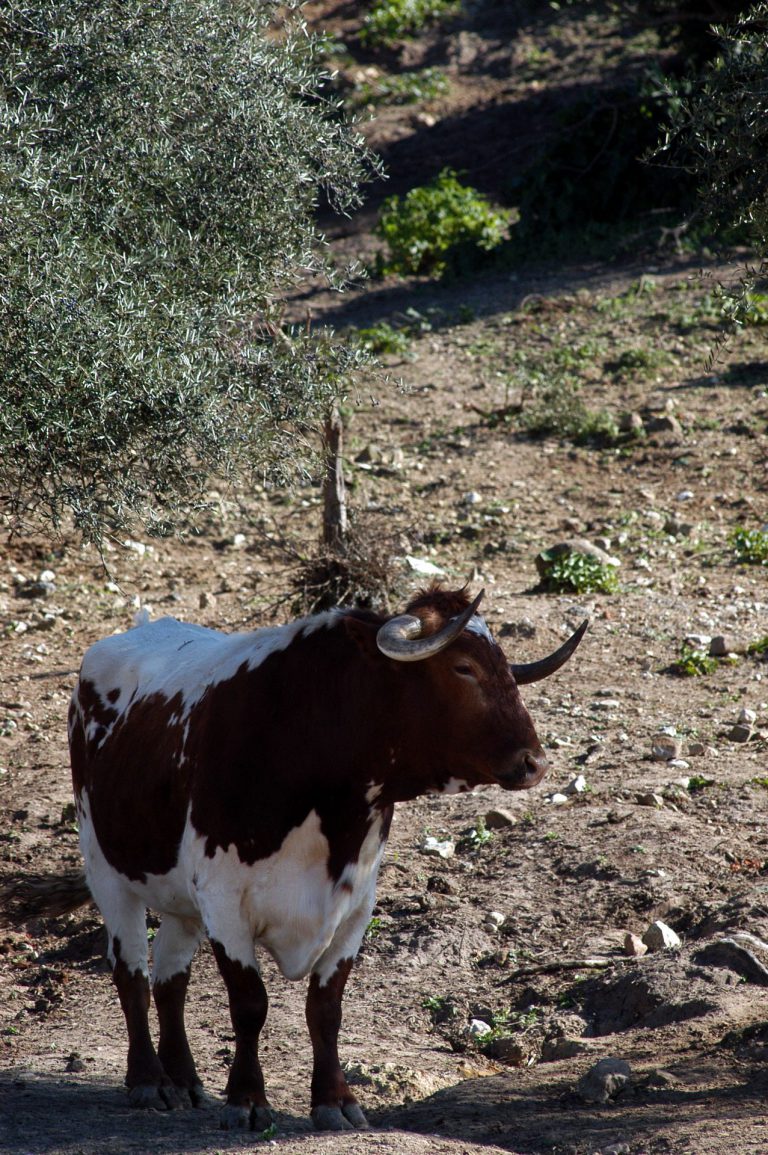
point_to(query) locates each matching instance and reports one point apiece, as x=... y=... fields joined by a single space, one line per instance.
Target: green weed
x=438 y=228
x=759 y=648
x=404 y=88
x=694 y=663
x=384 y=338
x=391 y=20
x=579 y=573
x=751 y=546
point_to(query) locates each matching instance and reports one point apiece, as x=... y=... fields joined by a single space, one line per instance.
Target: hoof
x=350 y=1117
x=200 y=1099
x=150 y=1097
x=248 y=1118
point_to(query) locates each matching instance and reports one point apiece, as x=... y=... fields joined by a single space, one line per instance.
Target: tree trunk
x=334 y=496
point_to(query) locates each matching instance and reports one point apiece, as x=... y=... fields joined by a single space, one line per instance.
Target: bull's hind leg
x=125 y=917
x=247 y=1104
x=175 y=944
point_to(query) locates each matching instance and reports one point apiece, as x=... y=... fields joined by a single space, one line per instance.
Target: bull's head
x=479 y=687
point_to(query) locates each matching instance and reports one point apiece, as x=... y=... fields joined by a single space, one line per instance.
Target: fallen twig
x=567 y=964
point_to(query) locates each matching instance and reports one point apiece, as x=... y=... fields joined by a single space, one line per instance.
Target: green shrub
x=403 y=88
x=440 y=227
x=579 y=573
x=391 y=20
x=694 y=663
x=383 y=338
x=751 y=546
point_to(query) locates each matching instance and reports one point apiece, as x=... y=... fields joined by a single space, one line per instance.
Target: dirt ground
x=523 y=926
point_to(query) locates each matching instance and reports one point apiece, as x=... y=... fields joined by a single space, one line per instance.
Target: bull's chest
x=288 y=903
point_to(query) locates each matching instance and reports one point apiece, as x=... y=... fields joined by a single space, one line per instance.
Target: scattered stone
x=630 y=423
x=525 y=628
x=205 y=600
x=634 y=947
x=562 y=1047
x=499 y=819
x=471 y=498
x=478 y=1029
x=507 y=1050
x=495 y=919
x=74 y=1064
x=747 y=716
x=606 y=704
x=741 y=732
x=654 y=800
x=679 y=764
x=666 y=747
x=743 y=953
x=577 y=785
x=659 y=936
x=668 y=423
x=442 y=848
x=605 y=1081
x=724 y=644
x=558 y=799
x=696 y=749
x=698 y=641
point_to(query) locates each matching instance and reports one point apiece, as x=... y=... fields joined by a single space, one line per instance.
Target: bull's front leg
x=247 y=1105
x=334 y=1107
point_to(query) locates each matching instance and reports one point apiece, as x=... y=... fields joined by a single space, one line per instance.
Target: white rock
x=659 y=936
x=747 y=715
x=478 y=1029
x=420 y=565
x=443 y=848
x=136 y=547
x=46 y=576
x=495 y=918
x=577 y=785
x=558 y=799
x=679 y=764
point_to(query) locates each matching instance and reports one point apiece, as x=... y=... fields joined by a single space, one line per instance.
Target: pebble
x=654 y=800
x=577 y=785
x=741 y=732
x=665 y=748
x=558 y=799
x=494 y=918
x=498 y=819
x=696 y=749
x=659 y=936
x=442 y=848
x=747 y=716
x=679 y=764
x=634 y=947
x=604 y=1081
x=698 y=641
x=606 y=704
x=35 y=590
x=204 y=600
x=724 y=644
x=478 y=1029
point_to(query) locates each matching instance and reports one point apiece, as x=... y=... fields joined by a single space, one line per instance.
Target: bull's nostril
x=534 y=765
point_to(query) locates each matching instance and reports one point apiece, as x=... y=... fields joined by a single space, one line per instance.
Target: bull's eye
x=465 y=670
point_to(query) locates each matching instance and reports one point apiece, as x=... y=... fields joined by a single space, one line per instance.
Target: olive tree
x=720 y=133
x=161 y=163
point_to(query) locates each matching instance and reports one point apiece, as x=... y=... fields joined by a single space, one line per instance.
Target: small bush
x=751 y=546
x=579 y=573
x=403 y=88
x=438 y=228
x=383 y=338
x=694 y=663
x=391 y=20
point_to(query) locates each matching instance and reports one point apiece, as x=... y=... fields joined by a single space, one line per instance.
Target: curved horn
x=399 y=638
x=535 y=671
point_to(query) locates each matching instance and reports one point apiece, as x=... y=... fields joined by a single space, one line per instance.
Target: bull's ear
x=363 y=634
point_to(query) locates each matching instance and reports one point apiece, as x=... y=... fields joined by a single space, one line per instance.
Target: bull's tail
x=42 y=896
